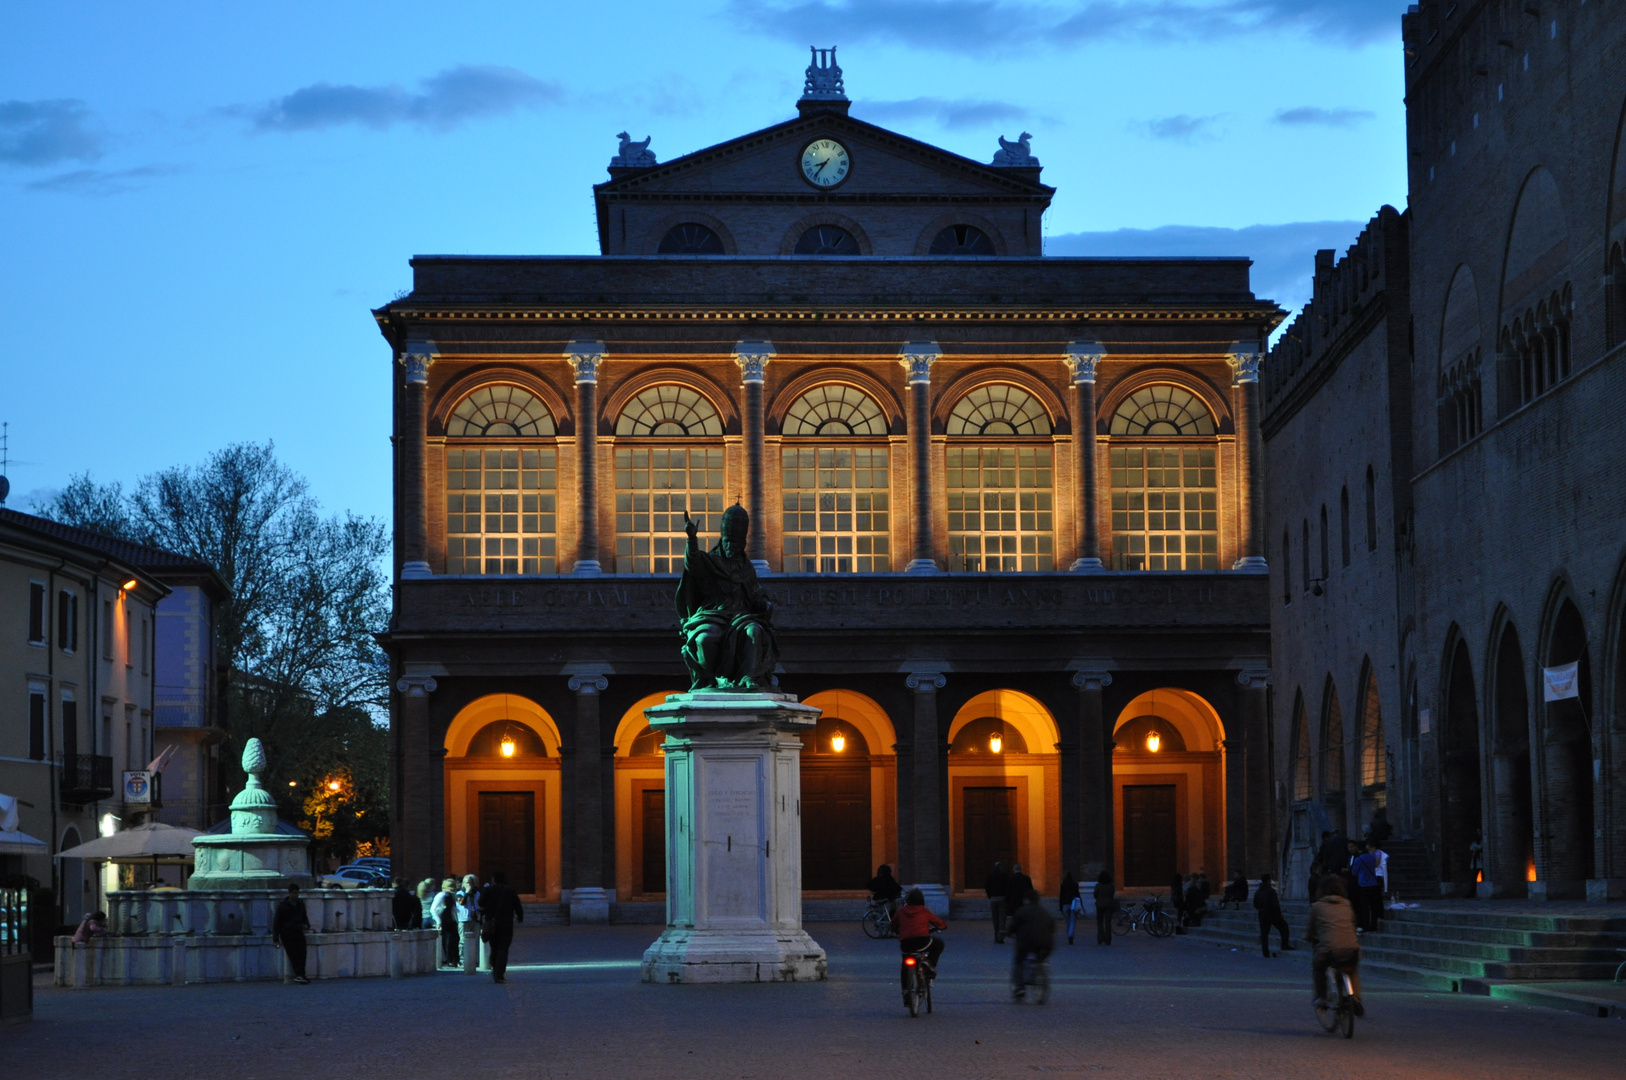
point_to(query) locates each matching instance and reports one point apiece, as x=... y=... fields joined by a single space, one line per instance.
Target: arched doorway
x=1334 y=759
x=1512 y=861
x=640 y=804
x=1168 y=779
x=1567 y=794
x=73 y=878
x=1374 y=748
x=849 y=793
x=502 y=793
x=1003 y=772
x=1461 y=823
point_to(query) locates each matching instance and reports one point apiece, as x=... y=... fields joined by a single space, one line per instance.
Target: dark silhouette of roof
x=161 y=563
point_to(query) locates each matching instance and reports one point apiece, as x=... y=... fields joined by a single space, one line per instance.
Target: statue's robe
x=720 y=595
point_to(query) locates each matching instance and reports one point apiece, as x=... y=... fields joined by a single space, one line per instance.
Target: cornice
x=1268 y=313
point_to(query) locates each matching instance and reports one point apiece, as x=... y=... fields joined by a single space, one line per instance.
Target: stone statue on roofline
x=728 y=637
x=1016 y=155
x=633 y=155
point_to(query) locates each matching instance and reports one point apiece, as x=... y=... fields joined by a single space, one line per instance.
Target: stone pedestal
x=733 y=841
x=242 y=861
x=589 y=906
x=1605 y=890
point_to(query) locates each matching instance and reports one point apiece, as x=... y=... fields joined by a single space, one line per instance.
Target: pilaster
x=585 y=357
x=589 y=902
x=753 y=357
x=928 y=868
x=917 y=358
x=1094 y=794
x=1082 y=359
x=1244 y=359
x=415 y=362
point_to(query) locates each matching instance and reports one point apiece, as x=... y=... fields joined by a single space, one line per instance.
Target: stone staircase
x=1458 y=950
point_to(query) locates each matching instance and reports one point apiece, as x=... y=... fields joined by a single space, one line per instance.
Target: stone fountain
x=253 y=855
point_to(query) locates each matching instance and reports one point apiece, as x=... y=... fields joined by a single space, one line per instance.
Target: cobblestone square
x=573 y=1007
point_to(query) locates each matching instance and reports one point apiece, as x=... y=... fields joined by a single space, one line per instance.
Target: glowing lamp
x=838 y=743
x=1530 y=871
x=129 y=586
x=507 y=747
x=334 y=785
x=293 y=783
x=1154 y=742
x=995 y=743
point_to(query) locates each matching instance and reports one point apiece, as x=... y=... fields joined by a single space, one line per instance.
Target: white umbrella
x=13 y=842
x=139 y=844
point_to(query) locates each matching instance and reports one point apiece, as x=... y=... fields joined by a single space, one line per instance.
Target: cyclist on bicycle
x=883 y=887
x=1034 y=929
x=1332 y=932
x=915 y=926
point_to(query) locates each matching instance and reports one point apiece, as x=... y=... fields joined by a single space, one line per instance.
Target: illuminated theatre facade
x=1005 y=504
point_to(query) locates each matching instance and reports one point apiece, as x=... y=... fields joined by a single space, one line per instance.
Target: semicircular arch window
x=1162 y=410
x=499 y=411
x=690 y=238
x=962 y=240
x=835 y=409
x=999 y=409
x=826 y=240
x=669 y=411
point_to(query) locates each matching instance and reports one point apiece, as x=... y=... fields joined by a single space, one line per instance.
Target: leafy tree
x=308 y=593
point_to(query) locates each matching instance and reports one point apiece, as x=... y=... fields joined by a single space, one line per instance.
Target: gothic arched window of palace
x=501 y=500
x=676 y=469
x=1001 y=513
x=690 y=238
x=826 y=240
x=834 y=467
x=962 y=240
x=1165 y=498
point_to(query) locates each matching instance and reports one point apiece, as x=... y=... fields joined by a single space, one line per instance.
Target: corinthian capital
x=1244 y=359
x=1082 y=357
x=917 y=358
x=753 y=357
x=416 y=358
x=585 y=357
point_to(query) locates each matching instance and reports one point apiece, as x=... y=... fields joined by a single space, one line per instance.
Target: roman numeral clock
x=825 y=163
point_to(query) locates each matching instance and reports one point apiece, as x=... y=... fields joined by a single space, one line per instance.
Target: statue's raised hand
x=689 y=525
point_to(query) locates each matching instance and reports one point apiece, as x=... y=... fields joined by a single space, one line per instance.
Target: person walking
x=499 y=909
x=468 y=922
x=1071 y=903
x=1017 y=887
x=405 y=908
x=1106 y=906
x=288 y=928
x=1268 y=903
x=996 y=885
x=1035 y=934
x=444 y=911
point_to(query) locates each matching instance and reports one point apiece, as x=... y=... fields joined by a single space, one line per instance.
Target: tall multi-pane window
x=1001 y=488
x=668 y=462
x=501 y=501
x=1165 y=495
x=837 y=499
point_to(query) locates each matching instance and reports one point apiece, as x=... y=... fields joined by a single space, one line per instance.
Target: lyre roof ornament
x=823 y=88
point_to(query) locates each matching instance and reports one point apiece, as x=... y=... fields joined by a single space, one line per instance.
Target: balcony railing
x=86 y=777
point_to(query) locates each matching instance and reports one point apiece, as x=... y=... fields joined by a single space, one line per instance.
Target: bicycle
x=1341 y=1015
x=1035 y=973
x=918 y=976
x=1151 y=917
x=878 y=921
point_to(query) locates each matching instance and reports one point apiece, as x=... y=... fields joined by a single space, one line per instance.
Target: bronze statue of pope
x=728 y=638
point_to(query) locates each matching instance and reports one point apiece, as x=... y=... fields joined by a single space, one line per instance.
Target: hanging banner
x=1558 y=683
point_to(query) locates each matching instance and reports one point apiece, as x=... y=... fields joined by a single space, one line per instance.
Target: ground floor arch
x=1565 y=857
x=1461 y=820
x=849 y=793
x=1511 y=865
x=1004 y=790
x=640 y=803
x=1168 y=780
x=502 y=793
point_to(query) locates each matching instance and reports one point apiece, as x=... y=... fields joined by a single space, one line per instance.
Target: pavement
x=573 y=1007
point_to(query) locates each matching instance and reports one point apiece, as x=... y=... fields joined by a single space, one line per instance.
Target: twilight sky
x=200 y=202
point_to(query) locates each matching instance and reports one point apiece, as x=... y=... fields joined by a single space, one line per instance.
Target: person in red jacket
x=915 y=926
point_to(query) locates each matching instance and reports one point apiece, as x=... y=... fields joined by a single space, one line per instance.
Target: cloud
x=100 y=182
x=1306 y=115
x=1181 y=128
x=444 y=101
x=955 y=113
x=1283 y=255
x=47 y=132
x=972 y=26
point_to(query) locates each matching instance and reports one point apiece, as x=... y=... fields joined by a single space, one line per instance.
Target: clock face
x=825 y=163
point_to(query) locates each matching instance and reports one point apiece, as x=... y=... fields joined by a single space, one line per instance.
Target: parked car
x=355 y=877
x=378 y=861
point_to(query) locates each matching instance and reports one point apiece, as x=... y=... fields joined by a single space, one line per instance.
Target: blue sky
x=200 y=202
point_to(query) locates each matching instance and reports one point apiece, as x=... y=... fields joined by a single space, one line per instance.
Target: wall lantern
x=507 y=746
x=1154 y=742
x=995 y=743
x=838 y=743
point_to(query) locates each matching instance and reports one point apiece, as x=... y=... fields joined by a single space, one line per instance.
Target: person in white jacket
x=444 y=909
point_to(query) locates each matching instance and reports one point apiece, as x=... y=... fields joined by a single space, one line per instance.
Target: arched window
x=1374 y=759
x=1371 y=509
x=1287 y=566
x=1304 y=569
x=962 y=240
x=1000 y=482
x=826 y=240
x=1326 y=567
x=1302 y=784
x=679 y=470
x=1333 y=761
x=1165 y=498
x=690 y=238
x=1343 y=523
x=837 y=498
x=501 y=501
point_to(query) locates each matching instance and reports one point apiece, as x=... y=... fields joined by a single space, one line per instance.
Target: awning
x=12 y=841
x=143 y=843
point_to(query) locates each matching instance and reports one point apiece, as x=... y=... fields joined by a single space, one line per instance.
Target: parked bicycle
x=1337 y=1006
x=1150 y=917
x=879 y=919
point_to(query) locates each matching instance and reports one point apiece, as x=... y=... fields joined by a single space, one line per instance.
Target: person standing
x=288 y=928
x=1177 y=902
x=499 y=909
x=1269 y=905
x=1071 y=903
x=996 y=884
x=1368 y=894
x=1334 y=853
x=1383 y=881
x=405 y=908
x=444 y=910
x=1106 y=906
x=426 y=902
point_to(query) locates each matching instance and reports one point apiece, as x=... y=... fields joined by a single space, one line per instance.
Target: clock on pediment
x=825 y=163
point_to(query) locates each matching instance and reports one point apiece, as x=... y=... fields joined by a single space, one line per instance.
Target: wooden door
x=508 y=838
x=988 y=833
x=1150 y=857
x=835 y=825
x=654 y=841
